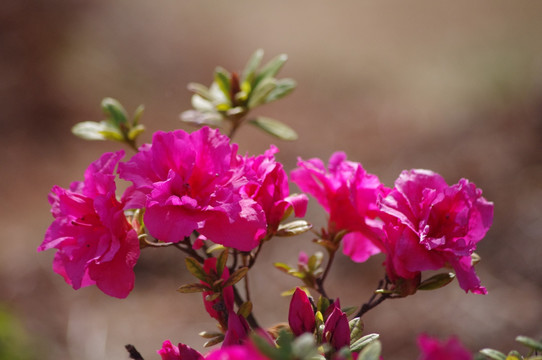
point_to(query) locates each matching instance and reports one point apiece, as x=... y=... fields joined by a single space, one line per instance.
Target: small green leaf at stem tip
x=270 y=69
x=359 y=344
x=283 y=87
x=200 y=90
x=135 y=132
x=221 y=261
x=436 y=281
x=371 y=351
x=222 y=79
x=89 y=130
x=196 y=269
x=114 y=111
x=493 y=354
x=259 y=94
x=530 y=343
x=293 y=228
x=245 y=309
x=275 y=128
x=193 y=288
x=315 y=260
x=137 y=114
x=236 y=276
x=251 y=66
x=283 y=267
x=210 y=335
x=212 y=297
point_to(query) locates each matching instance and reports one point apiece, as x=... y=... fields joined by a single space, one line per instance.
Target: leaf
x=293 y=228
x=260 y=93
x=200 y=90
x=271 y=68
x=436 y=281
x=275 y=128
x=529 y=342
x=89 y=130
x=215 y=247
x=137 y=114
x=315 y=260
x=361 y=343
x=236 y=276
x=371 y=351
x=221 y=261
x=283 y=87
x=212 y=297
x=193 y=288
x=214 y=341
x=245 y=309
x=251 y=66
x=356 y=329
x=493 y=354
x=222 y=79
x=196 y=269
x=209 y=335
x=514 y=355
x=135 y=132
x=114 y=112
x=199 y=118
x=283 y=267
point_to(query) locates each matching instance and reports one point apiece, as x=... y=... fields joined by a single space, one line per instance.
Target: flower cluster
x=192 y=191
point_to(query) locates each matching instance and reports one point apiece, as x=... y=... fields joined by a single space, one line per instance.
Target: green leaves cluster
x=535 y=351
x=116 y=125
x=308 y=273
x=230 y=97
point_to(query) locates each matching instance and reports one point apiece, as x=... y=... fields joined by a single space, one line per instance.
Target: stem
x=239 y=301
x=377 y=298
x=190 y=251
x=134 y=354
x=320 y=280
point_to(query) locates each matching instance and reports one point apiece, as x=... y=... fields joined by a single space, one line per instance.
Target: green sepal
x=436 y=281
x=293 y=228
x=493 y=354
x=196 y=269
x=275 y=128
x=114 y=112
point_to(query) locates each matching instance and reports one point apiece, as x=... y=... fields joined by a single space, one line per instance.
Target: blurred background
x=397 y=85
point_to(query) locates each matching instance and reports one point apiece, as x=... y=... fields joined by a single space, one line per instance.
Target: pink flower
x=269 y=187
x=191 y=182
x=349 y=194
x=432 y=349
x=301 y=314
x=95 y=242
x=435 y=225
x=181 y=352
x=236 y=352
x=336 y=328
x=220 y=307
x=238 y=330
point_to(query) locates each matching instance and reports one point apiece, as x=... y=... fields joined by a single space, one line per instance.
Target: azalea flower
x=434 y=225
x=95 y=242
x=433 y=349
x=349 y=194
x=191 y=182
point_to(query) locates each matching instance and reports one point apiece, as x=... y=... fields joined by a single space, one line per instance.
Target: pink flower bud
x=301 y=314
x=336 y=329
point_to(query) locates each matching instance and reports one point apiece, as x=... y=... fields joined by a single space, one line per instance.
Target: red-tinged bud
x=336 y=329
x=182 y=352
x=238 y=329
x=301 y=314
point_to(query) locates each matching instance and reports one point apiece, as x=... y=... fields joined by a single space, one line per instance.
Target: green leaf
x=114 y=112
x=193 y=288
x=271 y=68
x=283 y=267
x=293 y=228
x=216 y=340
x=221 y=261
x=264 y=347
x=196 y=269
x=315 y=260
x=200 y=90
x=135 y=132
x=89 y=130
x=251 y=66
x=245 y=309
x=222 y=79
x=236 y=276
x=283 y=87
x=304 y=347
x=514 y=355
x=356 y=329
x=275 y=128
x=371 y=351
x=529 y=342
x=493 y=354
x=210 y=335
x=436 y=281
x=260 y=93
x=137 y=114
x=361 y=343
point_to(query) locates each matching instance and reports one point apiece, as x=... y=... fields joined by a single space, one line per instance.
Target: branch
x=134 y=354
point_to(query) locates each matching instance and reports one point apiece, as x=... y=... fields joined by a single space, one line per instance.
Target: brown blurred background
x=397 y=85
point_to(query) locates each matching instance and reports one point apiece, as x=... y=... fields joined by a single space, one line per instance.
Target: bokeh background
x=455 y=87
